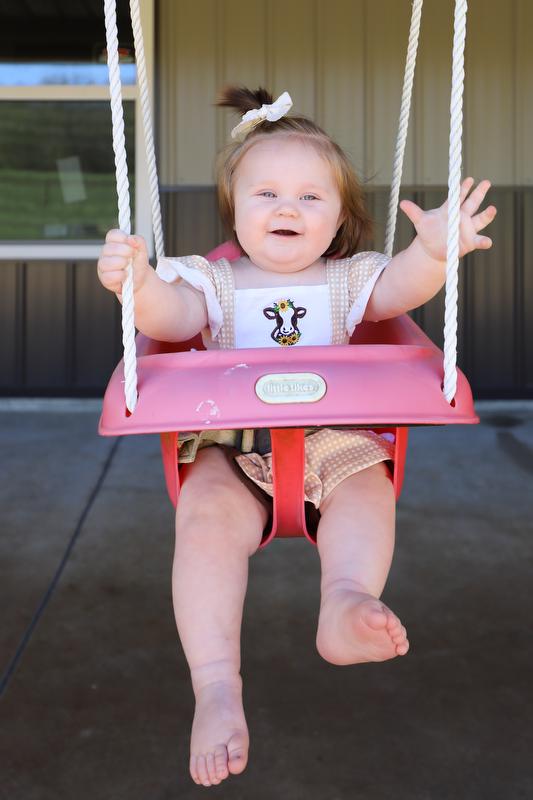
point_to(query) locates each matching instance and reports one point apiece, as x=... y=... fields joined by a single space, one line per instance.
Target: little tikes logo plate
x=291 y=387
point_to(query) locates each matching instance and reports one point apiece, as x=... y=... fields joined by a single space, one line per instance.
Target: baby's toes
x=201 y=769
x=221 y=762
x=398 y=633
x=393 y=623
x=203 y=774
x=399 y=637
x=211 y=768
x=237 y=753
x=401 y=649
x=377 y=616
x=193 y=769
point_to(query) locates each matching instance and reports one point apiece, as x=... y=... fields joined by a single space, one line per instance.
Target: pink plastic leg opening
x=288 y=462
x=169 y=453
x=288 y=465
x=400 y=452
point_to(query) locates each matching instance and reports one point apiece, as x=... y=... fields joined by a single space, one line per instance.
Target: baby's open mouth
x=282 y=232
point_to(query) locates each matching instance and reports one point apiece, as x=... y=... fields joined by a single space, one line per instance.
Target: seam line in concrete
x=55 y=580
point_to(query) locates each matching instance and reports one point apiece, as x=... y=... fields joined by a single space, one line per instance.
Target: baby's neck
x=248 y=275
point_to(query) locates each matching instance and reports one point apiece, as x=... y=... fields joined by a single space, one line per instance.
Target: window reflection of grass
x=29 y=200
x=34 y=136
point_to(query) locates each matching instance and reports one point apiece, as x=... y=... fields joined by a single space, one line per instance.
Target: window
x=57 y=173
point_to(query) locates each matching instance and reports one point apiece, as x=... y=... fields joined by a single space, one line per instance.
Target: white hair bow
x=272 y=112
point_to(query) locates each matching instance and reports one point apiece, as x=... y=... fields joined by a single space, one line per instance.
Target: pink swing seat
x=388 y=378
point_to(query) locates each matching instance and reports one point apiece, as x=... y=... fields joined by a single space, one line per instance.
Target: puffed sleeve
x=363 y=271
x=198 y=272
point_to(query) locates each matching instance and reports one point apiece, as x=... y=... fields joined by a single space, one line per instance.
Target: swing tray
x=389 y=375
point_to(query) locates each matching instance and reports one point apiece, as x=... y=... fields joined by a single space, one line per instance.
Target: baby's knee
x=214 y=502
x=214 y=499
x=218 y=523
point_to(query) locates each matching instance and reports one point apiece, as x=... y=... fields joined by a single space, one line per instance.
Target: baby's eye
x=310 y=197
x=267 y=194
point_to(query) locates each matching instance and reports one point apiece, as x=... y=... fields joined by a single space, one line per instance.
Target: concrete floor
x=97 y=704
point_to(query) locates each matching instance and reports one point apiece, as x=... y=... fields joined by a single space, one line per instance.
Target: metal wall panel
x=490 y=112
x=430 y=120
x=48 y=344
x=523 y=91
x=188 y=67
x=190 y=217
x=96 y=329
x=340 y=58
x=11 y=319
x=524 y=334
x=243 y=49
x=490 y=304
x=343 y=62
x=292 y=50
x=386 y=27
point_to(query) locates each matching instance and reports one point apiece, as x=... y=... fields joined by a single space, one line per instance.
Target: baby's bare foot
x=219 y=739
x=355 y=627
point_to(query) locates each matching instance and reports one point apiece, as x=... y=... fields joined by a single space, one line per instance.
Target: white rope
x=147 y=127
x=124 y=216
x=454 y=206
x=399 y=153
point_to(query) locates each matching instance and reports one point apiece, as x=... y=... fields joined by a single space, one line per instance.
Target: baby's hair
x=357 y=224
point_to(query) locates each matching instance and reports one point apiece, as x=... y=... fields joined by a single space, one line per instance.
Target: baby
x=291 y=199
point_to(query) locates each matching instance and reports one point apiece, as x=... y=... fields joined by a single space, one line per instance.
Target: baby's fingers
x=473 y=202
x=116 y=235
x=411 y=210
x=466 y=185
x=125 y=251
x=484 y=218
x=112 y=279
x=482 y=242
x=110 y=263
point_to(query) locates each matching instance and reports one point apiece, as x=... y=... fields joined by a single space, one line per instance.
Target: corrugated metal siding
x=190 y=218
x=342 y=61
x=60 y=331
x=524 y=334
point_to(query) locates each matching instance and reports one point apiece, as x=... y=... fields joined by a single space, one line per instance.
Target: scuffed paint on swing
x=214 y=410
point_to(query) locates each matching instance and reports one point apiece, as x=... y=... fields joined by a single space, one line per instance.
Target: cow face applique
x=286 y=315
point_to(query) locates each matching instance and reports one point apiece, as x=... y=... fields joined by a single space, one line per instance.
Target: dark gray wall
x=60 y=330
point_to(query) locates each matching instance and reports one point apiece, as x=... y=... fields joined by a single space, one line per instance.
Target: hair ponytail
x=242 y=99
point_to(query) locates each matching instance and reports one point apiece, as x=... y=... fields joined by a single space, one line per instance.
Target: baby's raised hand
x=432 y=226
x=119 y=249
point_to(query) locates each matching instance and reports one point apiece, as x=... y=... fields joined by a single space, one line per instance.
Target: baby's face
x=287 y=205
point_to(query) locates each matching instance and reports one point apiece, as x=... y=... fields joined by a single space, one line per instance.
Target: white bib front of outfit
x=282 y=316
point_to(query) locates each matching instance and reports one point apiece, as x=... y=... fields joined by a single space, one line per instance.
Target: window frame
x=142 y=224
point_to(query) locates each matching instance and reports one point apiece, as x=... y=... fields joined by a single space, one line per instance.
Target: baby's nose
x=287 y=209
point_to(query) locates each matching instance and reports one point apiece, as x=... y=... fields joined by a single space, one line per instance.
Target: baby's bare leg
x=355 y=543
x=219 y=525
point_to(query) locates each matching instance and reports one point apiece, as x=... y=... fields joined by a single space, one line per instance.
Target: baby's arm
x=163 y=311
x=416 y=274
